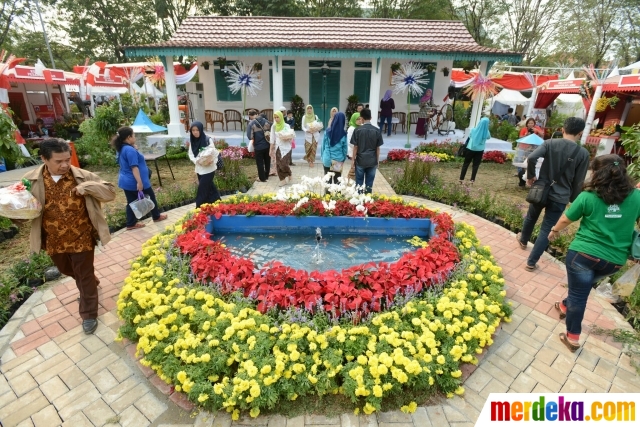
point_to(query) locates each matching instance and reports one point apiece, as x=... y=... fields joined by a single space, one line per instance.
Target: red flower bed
x=494 y=156
x=398 y=154
x=360 y=289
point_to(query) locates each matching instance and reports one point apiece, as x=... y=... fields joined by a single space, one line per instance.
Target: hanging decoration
x=410 y=77
x=480 y=85
x=243 y=78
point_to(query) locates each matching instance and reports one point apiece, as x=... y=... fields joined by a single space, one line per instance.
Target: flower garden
x=239 y=337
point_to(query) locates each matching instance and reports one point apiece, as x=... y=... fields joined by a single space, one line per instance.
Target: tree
x=31 y=45
x=9 y=12
x=411 y=9
x=627 y=45
x=100 y=28
x=331 y=8
x=481 y=17
x=530 y=25
x=604 y=18
x=173 y=12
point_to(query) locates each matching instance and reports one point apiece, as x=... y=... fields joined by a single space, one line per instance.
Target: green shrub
x=297 y=108
x=461 y=115
x=31 y=268
x=11 y=291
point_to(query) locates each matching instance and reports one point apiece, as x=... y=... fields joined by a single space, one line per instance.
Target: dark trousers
x=132 y=195
x=365 y=177
x=388 y=120
x=207 y=190
x=583 y=271
x=552 y=213
x=79 y=267
x=263 y=162
x=471 y=156
x=334 y=179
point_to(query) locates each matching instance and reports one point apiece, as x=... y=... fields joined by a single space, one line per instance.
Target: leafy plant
x=352 y=105
x=297 y=107
x=395 y=67
x=206 y=64
x=461 y=115
x=11 y=291
x=8 y=146
x=31 y=268
x=94 y=147
x=631 y=143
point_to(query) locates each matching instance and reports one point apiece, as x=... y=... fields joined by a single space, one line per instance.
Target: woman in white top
x=332 y=114
x=354 y=122
x=206 y=163
x=281 y=149
x=310 y=139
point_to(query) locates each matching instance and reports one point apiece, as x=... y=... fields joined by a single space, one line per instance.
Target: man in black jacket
x=366 y=151
x=568 y=184
x=255 y=131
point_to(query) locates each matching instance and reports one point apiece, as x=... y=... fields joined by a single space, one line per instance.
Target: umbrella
x=532 y=139
x=143 y=124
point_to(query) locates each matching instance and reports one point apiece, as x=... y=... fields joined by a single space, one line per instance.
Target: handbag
x=539 y=191
x=336 y=166
x=142 y=206
x=267 y=133
x=463 y=148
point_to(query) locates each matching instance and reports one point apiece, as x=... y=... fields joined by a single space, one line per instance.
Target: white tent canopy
x=149 y=89
x=570 y=104
x=510 y=97
x=98 y=90
x=631 y=66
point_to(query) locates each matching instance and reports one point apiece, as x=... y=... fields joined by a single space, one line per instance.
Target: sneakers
x=89 y=326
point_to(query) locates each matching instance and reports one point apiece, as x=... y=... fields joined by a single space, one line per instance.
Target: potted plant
x=395 y=67
x=257 y=66
x=8 y=146
x=222 y=62
x=206 y=64
x=430 y=68
x=445 y=71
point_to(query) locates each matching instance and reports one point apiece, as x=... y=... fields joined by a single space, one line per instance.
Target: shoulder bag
x=635 y=245
x=463 y=148
x=539 y=191
x=267 y=133
x=219 y=162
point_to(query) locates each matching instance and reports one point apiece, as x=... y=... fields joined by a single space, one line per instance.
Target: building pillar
x=478 y=105
x=592 y=113
x=175 y=128
x=276 y=72
x=374 y=89
x=625 y=113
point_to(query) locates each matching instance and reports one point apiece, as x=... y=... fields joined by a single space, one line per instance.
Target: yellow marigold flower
x=203 y=397
x=456 y=374
x=235 y=415
x=459 y=390
x=254 y=412
x=369 y=408
x=410 y=408
x=441 y=359
x=255 y=391
x=265 y=369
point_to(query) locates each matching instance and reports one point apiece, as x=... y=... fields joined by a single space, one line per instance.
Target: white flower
x=360 y=208
x=410 y=76
x=300 y=203
x=243 y=76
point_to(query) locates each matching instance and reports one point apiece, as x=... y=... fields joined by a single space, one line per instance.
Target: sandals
x=564 y=340
x=282 y=183
x=531 y=267
x=522 y=245
x=162 y=217
x=138 y=225
x=561 y=314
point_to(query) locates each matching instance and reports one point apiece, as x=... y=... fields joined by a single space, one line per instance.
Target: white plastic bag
x=627 y=282
x=16 y=202
x=142 y=206
x=605 y=290
x=206 y=156
x=250 y=147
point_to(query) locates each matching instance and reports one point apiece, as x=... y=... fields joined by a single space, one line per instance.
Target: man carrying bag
x=561 y=178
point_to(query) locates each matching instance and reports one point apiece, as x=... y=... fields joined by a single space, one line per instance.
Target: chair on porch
x=232 y=116
x=211 y=117
x=402 y=120
x=413 y=119
x=268 y=112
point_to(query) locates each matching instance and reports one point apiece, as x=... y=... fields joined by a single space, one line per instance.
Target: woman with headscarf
x=280 y=149
x=332 y=114
x=310 y=139
x=426 y=103
x=334 y=147
x=386 y=110
x=475 y=148
x=354 y=122
x=205 y=167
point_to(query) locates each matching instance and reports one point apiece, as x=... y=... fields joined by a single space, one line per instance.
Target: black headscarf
x=198 y=143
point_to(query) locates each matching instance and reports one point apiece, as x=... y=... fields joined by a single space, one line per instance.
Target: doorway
x=324 y=92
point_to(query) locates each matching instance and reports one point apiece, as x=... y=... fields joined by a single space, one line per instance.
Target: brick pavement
x=53 y=374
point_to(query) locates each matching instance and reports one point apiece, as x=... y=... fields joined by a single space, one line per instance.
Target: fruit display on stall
x=605 y=131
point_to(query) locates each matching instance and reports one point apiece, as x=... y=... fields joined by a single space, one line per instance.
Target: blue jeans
x=132 y=195
x=552 y=213
x=583 y=271
x=365 y=176
x=388 y=120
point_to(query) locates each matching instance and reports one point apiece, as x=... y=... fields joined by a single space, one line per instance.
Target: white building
x=323 y=60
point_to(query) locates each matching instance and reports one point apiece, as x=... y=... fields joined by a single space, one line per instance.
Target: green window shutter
x=431 y=78
x=362 y=85
x=270 y=84
x=222 y=89
x=288 y=84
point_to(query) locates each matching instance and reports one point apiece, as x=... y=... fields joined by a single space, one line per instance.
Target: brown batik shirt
x=65 y=222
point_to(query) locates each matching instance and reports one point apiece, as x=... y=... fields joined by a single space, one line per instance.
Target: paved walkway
x=53 y=374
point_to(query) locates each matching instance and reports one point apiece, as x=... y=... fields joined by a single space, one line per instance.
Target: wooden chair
x=413 y=119
x=211 y=117
x=232 y=116
x=402 y=120
x=269 y=113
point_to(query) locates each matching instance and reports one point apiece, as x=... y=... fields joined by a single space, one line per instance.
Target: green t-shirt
x=605 y=230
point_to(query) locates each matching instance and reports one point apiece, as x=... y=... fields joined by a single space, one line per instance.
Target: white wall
x=347 y=69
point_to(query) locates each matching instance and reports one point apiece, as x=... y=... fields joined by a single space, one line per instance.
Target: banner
x=58 y=104
x=539 y=115
x=46 y=113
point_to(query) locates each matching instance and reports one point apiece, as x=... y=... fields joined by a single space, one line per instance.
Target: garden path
x=53 y=374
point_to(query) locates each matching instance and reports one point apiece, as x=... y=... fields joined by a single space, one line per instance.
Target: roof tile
x=322 y=33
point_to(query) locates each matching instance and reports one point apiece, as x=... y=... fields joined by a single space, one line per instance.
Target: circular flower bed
x=207 y=323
